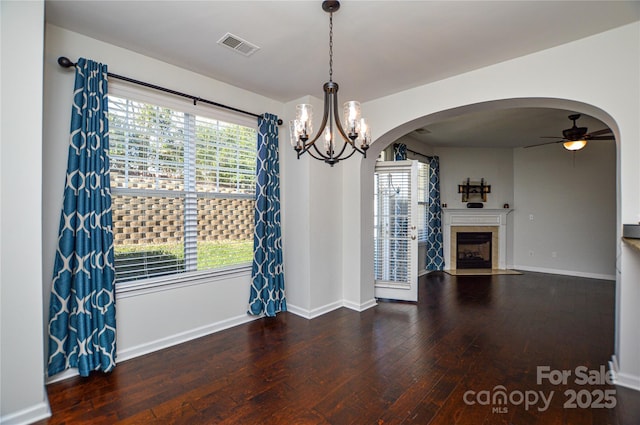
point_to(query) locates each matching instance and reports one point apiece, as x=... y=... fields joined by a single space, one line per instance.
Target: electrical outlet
x=531 y=217
x=530 y=253
x=554 y=254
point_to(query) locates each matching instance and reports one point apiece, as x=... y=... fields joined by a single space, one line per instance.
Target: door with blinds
x=395 y=230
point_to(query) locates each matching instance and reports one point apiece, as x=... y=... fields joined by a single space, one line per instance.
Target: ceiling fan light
x=574 y=145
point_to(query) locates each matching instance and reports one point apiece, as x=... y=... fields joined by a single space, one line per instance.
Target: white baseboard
x=298 y=311
x=316 y=312
x=65 y=374
x=623 y=379
x=169 y=341
x=627 y=381
x=565 y=272
x=362 y=306
x=29 y=415
x=313 y=313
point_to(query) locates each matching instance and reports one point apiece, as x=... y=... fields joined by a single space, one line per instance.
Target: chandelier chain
x=331 y=47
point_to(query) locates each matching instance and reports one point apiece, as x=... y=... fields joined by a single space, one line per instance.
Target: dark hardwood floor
x=397 y=363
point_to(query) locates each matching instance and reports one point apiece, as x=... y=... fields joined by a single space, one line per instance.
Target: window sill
x=167 y=283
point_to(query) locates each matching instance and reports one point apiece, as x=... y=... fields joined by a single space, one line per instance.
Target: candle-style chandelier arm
x=350 y=140
x=321 y=157
x=336 y=113
x=325 y=115
x=354 y=151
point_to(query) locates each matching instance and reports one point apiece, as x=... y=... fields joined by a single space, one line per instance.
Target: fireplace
x=475 y=220
x=473 y=250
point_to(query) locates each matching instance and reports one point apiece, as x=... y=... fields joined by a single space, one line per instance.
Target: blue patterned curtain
x=435 y=255
x=399 y=152
x=82 y=317
x=267 y=276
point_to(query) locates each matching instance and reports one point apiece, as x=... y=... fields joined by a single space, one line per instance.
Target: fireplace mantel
x=495 y=218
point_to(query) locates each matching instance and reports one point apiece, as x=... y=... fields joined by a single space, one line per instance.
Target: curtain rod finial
x=65 y=62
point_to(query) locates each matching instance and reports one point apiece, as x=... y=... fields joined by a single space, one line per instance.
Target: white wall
x=494 y=165
x=573 y=203
x=312 y=205
x=608 y=93
x=146 y=322
x=294 y=202
x=325 y=188
x=22 y=394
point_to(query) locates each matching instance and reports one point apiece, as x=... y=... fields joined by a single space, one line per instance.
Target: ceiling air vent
x=237 y=44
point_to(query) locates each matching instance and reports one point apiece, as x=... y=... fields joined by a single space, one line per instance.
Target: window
x=182 y=183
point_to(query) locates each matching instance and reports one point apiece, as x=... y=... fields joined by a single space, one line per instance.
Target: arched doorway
x=367 y=166
x=487 y=144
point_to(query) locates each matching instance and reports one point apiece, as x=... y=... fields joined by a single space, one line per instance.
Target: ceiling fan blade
x=542 y=144
x=599 y=132
x=601 y=138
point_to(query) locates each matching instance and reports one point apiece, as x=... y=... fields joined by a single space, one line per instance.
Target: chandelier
x=339 y=142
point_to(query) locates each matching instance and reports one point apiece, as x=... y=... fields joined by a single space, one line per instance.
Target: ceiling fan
x=575 y=138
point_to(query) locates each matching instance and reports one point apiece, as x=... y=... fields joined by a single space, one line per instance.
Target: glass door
x=395 y=230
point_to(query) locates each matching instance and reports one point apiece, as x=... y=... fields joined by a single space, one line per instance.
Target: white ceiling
x=380 y=47
x=504 y=128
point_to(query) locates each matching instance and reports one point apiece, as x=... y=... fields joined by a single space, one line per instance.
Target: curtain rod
x=420 y=154
x=66 y=63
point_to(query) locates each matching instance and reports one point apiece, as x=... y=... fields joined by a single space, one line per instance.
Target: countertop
x=633 y=242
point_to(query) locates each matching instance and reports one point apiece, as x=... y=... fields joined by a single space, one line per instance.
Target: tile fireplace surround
x=475 y=220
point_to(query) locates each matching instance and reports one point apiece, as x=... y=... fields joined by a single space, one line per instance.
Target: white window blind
x=392 y=219
x=182 y=190
x=423 y=200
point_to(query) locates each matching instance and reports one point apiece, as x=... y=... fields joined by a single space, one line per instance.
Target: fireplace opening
x=473 y=250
